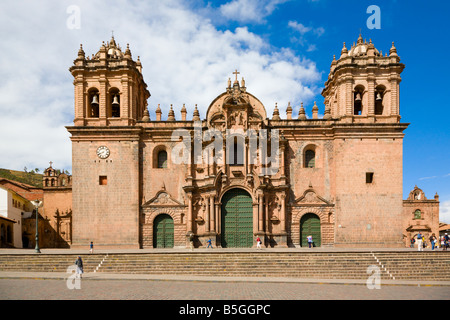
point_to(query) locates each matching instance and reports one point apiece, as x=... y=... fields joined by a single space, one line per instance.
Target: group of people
x=434 y=241
x=259 y=242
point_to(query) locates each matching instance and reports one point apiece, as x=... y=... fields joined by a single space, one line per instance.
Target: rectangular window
x=369 y=177
x=103 y=180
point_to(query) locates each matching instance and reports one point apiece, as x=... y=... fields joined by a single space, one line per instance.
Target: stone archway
x=163 y=231
x=236 y=219
x=310 y=225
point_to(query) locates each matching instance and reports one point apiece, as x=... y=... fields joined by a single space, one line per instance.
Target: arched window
x=93 y=103
x=162 y=159
x=417 y=214
x=379 y=95
x=310 y=159
x=357 y=101
x=237 y=153
x=115 y=103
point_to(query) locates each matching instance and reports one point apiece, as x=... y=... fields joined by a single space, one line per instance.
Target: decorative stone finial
x=393 y=50
x=127 y=52
x=301 y=113
x=289 y=111
x=183 y=112
x=81 y=52
x=171 y=116
x=315 y=110
x=196 y=114
x=158 y=113
x=276 y=113
x=344 y=51
x=146 y=117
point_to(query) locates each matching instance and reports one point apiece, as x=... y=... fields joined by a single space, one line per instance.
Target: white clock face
x=103 y=152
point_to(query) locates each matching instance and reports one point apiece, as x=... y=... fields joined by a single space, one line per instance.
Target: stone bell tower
x=363 y=85
x=110 y=99
x=109 y=87
x=362 y=99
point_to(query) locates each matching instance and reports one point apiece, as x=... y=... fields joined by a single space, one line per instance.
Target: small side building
x=420 y=215
x=57 y=208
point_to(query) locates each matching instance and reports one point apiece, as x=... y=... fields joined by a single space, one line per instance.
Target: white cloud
x=444 y=211
x=185 y=60
x=299 y=27
x=249 y=10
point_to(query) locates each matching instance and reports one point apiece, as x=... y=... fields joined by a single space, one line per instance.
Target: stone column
x=212 y=213
x=207 y=214
x=283 y=213
x=261 y=213
x=371 y=95
x=217 y=217
x=266 y=209
x=189 y=220
x=348 y=96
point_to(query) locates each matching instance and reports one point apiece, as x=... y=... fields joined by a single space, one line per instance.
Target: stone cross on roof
x=236 y=73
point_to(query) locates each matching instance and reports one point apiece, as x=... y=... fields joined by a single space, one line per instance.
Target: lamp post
x=37 y=204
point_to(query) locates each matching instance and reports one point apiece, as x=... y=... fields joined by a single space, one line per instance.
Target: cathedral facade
x=238 y=173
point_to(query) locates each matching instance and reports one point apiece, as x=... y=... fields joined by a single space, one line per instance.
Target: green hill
x=30 y=178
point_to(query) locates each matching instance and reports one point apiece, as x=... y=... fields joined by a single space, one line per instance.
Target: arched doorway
x=163 y=231
x=237 y=219
x=310 y=226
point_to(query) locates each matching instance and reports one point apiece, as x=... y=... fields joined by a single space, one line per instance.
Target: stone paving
x=111 y=289
x=102 y=286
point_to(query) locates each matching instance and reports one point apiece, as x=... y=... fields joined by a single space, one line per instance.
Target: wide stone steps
x=326 y=265
x=47 y=263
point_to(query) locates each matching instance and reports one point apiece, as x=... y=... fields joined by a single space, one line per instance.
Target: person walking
x=258 y=243
x=79 y=264
x=412 y=242
x=432 y=241
x=209 y=243
x=446 y=238
x=310 y=241
x=91 y=247
x=419 y=242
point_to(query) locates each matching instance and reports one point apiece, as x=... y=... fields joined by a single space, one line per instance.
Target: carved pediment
x=310 y=197
x=162 y=198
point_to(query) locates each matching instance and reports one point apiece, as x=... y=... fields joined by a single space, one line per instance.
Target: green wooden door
x=237 y=219
x=163 y=232
x=310 y=225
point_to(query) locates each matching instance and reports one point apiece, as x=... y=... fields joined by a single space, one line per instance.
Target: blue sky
x=189 y=49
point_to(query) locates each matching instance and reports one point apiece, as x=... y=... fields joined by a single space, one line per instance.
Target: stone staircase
x=47 y=262
x=315 y=265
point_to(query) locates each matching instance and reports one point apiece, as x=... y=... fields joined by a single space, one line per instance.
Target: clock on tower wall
x=103 y=152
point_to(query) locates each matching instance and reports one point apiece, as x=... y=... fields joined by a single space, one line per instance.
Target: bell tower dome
x=363 y=85
x=109 y=87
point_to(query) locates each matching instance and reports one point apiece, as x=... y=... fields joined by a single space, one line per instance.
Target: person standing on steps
x=432 y=241
x=79 y=264
x=310 y=241
x=91 y=247
x=258 y=243
x=419 y=242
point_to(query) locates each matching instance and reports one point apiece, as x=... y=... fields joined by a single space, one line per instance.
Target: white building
x=13 y=207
